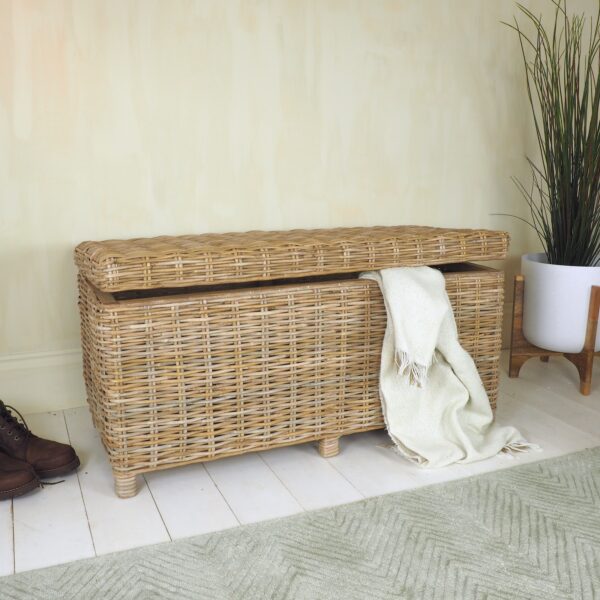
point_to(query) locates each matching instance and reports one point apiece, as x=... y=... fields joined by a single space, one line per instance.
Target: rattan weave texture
x=192 y=377
x=166 y=262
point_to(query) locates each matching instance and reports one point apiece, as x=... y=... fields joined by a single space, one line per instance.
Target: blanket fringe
x=520 y=446
x=416 y=373
x=412 y=457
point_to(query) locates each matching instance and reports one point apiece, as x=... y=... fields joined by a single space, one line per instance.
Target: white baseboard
x=42 y=382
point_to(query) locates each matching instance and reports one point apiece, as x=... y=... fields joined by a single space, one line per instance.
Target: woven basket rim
x=176 y=297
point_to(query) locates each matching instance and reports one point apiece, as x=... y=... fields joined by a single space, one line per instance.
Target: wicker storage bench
x=201 y=347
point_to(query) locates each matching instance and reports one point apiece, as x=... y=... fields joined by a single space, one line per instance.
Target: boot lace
x=14 y=427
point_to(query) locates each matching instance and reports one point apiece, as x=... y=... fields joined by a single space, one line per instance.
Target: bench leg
x=329 y=447
x=125 y=485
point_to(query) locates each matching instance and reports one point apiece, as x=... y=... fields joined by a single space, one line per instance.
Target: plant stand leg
x=517 y=359
x=584 y=361
x=521 y=350
x=125 y=485
x=329 y=447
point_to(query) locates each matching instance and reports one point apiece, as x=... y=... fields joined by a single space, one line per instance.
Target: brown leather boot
x=49 y=459
x=16 y=477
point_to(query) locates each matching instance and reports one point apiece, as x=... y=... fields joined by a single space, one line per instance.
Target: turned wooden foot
x=125 y=485
x=329 y=447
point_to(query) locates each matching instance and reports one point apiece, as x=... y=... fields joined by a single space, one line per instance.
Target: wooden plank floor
x=82 y=517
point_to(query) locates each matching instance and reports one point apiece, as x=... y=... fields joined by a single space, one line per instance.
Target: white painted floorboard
x=189 y=501
x=314 y=482
x=50 y=524
x=552 y=388
x=83 y=517
x=115 y=524
x=7 y=563
x=368 y=462
x=252 y=490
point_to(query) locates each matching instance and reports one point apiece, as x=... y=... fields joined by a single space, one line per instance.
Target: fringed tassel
x=519 y=447
x=402 y=361
x=416 y=373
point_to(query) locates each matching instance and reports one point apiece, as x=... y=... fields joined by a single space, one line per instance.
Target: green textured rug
x=531 y=531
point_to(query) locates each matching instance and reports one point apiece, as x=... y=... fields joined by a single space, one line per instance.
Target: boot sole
x=21 y=490
x=62 y=470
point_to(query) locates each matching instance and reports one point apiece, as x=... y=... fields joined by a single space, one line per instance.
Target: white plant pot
x=556 y=303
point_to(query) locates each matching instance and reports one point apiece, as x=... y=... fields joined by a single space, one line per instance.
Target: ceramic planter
x=556 y=303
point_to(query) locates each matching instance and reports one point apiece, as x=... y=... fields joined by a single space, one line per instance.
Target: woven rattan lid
x=166 y=262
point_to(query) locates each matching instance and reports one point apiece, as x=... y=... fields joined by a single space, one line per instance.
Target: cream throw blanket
x=435 y=406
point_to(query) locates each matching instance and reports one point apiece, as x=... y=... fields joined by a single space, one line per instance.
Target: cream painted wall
x=122 y=118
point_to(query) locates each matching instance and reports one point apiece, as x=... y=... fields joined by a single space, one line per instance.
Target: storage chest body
x=201 y=347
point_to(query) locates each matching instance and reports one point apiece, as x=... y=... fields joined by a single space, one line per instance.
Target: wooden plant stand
x=521 y=350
